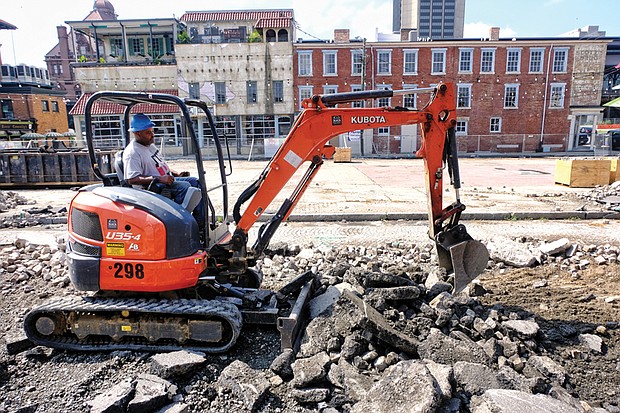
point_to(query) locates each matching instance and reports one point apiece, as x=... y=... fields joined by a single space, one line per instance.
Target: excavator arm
x=320 y=121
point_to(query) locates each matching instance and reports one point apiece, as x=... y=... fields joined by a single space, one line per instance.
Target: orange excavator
x=157 y=281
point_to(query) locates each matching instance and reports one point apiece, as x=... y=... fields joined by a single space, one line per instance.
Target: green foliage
x=82 y=59
x=183 y=37
x=255 y=37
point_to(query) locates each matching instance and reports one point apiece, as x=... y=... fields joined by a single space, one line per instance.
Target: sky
x=36 y=20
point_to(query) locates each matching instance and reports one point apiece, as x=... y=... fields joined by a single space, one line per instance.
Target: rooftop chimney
x=494 y=33
x=341 y=36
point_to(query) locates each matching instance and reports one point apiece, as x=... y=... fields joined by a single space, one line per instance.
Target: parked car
x=585 y=134
x=612 y=138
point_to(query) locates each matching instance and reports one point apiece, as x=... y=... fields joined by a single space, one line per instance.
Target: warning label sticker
x=115 y=248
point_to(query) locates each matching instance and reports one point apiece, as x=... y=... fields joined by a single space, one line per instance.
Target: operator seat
x=120 y=168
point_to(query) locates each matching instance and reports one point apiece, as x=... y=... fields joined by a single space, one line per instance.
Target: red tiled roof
x=109 y=108
x=273 y=23
x=233 y=15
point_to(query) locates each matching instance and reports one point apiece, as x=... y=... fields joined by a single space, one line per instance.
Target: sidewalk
x=380 y=189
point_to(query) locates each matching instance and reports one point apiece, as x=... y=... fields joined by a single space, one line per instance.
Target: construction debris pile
x=607 y=195
x=27 y=217
x=385 y=336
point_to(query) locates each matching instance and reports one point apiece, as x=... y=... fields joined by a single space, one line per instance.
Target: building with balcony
x=240 y=62
x=514 y=95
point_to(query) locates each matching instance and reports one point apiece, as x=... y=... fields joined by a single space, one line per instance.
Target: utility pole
x=363 y=89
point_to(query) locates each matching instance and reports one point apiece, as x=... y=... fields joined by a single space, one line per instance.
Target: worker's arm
x=147 y=180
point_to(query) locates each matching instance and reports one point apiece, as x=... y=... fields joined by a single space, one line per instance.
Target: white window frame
x=495 y=125
x=540 y=50
x=563 y=62
x=466 y=51
x=330 y=68
x=302 y=55
x=561 y=88
x=330 y=89
x=384 y=102
x=461 y=126
x=410 y=97
x=508 y=87
x=357 y=62
x=305 y=92
x=466 y=89
x=383 y=131
x=381 y=54
x=517 y=62
x=410 y=68
x=484 y=52
x=438 y=56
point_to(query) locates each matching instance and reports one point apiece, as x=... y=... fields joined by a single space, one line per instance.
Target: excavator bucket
x=460 y=254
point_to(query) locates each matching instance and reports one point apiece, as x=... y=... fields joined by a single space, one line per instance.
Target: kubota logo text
x=367 y=119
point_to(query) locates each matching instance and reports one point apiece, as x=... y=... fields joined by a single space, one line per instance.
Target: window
x=383 y=102
x=465 y=60
x=461 y=127
x=329 y=89
x=536 y=60
x=409 y=100
x=7 y=109
x=116 y=47
x=194 y=90
x=410 y=62
x=329 y=63
x=384 y=62
x=136 y=46
x=278 y=91
x=385 y=131
x=255 y=128
x=464 y=96
x=496 y=125
x=357 y=103
x=157 y=47
x=513 y=61
x=356 y=62
x=45 y=105
x=252 y=91
x=284 y=125
x=304 y=60
x=511 y=96
x=54 y=106
x=220 y=93
x=560 y=57
x=305 y=92
x=487 y=61
x=557 y=95
x=439 y=61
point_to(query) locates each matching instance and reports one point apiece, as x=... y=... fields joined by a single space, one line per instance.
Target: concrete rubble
x=386 y=336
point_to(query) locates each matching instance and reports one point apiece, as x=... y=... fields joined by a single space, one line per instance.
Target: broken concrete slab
x=406 y=387
x=592 y=342
x=543 y=366
x=307 y=371
x=115 y=399
x=345 y=376
x=447 y=350
x=281 y=365
x=375 y=323
x=246 y=384
x=313 y=395
x=151 y=393
x=508 y=401
x=475 y=378
x=523 y=328
x=512 y=253
x=555 y=247
x=176 y=363
x=322 y=302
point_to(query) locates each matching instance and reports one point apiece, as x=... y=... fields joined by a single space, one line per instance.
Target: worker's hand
x=184 y=173
x=166 y=179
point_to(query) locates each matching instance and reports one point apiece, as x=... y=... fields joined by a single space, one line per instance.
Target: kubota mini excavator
x=159 y=282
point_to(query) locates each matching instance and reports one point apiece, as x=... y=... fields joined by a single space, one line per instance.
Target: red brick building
x=514 y=95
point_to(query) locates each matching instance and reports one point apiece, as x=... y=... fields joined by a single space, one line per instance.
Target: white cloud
x=480 y=30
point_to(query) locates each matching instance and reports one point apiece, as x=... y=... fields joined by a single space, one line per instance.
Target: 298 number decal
x=128 y=271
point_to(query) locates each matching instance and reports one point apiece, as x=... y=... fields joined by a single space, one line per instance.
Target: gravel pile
x=385 y=335
x=27 y=217
x=608 y=195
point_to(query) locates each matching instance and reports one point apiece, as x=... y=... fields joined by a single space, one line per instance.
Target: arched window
x=283 y=35
x=271 y=35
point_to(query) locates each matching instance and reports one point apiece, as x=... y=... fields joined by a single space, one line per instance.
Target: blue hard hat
x=140 y=122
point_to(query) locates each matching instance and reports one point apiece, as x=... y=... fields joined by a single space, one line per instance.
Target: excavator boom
x=320 y=121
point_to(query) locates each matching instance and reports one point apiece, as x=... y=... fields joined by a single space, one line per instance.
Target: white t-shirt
x=140 y=160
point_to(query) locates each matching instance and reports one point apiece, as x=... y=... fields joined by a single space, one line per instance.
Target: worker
x=144 y=166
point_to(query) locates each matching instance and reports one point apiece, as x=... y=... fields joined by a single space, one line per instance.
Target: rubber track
x=224 y=310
